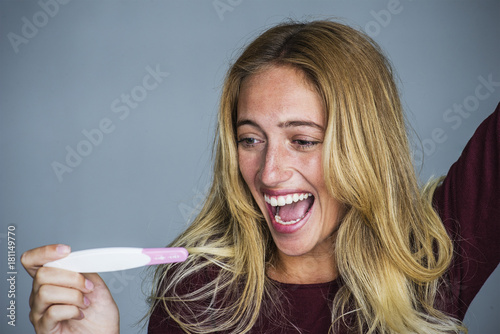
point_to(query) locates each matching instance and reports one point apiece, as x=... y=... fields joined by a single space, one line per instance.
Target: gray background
x=139 y=184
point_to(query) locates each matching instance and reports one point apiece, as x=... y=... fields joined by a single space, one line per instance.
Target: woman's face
x=280 y=132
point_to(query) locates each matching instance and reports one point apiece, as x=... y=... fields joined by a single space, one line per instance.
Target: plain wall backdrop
x=107 y=114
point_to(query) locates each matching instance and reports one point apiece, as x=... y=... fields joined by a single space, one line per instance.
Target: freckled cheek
x=313 y=168
x=249 y=166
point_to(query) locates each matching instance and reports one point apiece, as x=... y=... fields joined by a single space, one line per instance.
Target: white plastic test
x=117 y=258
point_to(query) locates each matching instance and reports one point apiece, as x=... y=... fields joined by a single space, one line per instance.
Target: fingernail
x=82 y=315
x=86 y=301
x=89 y=285
x=63 y=249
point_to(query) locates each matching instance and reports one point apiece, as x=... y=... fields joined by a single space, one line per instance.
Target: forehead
x=278 y=93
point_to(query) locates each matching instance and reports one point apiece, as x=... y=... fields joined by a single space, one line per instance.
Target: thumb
x=37 y=257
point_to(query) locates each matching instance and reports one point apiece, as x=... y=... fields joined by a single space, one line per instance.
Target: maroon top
x=468 y=202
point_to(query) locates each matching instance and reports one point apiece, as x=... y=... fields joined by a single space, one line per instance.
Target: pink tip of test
x=166 y=255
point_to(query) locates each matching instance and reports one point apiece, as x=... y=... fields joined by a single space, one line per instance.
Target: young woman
x=315 y=221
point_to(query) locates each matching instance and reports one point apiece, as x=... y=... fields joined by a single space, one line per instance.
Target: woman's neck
x=311 y=268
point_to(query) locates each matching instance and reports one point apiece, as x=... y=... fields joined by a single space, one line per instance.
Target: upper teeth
x=287 y=199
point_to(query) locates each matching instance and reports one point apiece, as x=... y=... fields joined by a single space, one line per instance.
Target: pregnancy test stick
x=117 y=258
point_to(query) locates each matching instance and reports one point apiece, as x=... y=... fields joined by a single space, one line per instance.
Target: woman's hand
x=64 y=302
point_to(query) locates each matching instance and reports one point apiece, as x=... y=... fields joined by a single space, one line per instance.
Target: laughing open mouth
x=289 y=209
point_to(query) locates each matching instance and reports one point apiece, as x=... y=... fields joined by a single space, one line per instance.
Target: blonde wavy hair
x=391 y=248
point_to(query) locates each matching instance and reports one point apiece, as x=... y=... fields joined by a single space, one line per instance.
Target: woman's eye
x=248 y=142
x=305 y=144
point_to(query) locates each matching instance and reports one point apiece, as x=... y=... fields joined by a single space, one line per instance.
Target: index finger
x=33 y=259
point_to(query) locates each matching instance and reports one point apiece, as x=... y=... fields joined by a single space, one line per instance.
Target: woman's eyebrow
x=289 y=124
x=286 y=124
x=242 y=122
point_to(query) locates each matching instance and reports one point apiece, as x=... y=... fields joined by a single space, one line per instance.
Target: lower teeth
x=278 y=220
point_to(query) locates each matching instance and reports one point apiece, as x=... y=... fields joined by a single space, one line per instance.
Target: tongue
x=296 y=210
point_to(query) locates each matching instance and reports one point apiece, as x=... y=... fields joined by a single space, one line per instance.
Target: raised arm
x=468 y=202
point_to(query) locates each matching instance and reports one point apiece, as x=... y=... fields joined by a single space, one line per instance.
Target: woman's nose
x=274 y=169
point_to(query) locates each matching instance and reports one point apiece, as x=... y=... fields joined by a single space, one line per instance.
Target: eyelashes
x=248 y=142
x=306 y=144
x=300 y=144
